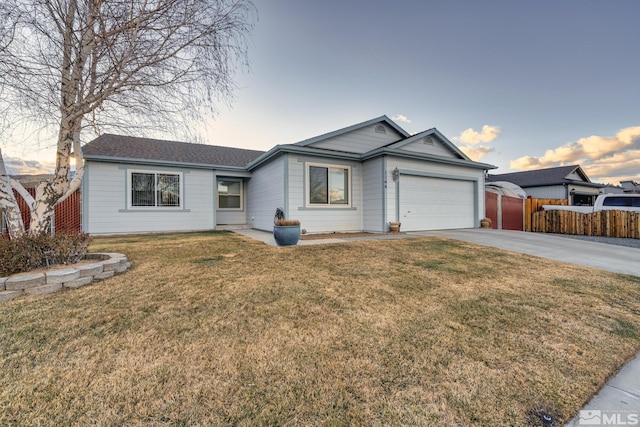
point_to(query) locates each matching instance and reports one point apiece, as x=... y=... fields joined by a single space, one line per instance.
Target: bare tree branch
x=92 y=64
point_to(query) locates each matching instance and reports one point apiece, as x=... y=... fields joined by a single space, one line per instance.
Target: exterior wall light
x=395 y=174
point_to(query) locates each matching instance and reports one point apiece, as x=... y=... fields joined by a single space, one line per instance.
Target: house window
x=583 y=199
x=328 y=185
x=152 y=189
x=229 y=194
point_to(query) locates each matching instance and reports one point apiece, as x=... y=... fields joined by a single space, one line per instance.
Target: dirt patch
x=343 y=235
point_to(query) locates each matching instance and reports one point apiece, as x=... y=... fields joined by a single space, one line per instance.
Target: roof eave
x=565 y=182
x=165 y=163
x=422 y=156
x=297 y=149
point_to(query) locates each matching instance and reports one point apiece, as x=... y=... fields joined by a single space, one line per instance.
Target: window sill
x=154 y=209
x=324 y=208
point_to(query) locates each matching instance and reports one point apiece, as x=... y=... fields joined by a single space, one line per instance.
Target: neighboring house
x=612 y=189
x=631 y=187
x=564 y=182
x=354 y=179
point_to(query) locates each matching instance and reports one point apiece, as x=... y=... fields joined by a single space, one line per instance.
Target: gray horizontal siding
x=373 y=195
x=225 y=217
x=265 y=193
x=549 y=192
x=323 y=219
x=437 y=149
x=106 y=211
x=360 y=141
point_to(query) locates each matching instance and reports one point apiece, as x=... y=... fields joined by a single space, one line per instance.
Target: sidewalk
x=617 y=402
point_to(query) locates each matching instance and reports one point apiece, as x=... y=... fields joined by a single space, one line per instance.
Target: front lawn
x=217 y=329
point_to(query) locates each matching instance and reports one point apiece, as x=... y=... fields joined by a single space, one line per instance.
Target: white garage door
x=435 y=203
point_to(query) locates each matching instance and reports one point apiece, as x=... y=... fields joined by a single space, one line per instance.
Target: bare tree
x=84 y=65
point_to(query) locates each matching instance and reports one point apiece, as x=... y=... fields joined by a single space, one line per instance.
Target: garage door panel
x=435 y=203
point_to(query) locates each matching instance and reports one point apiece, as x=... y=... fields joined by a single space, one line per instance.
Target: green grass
x=216 y=329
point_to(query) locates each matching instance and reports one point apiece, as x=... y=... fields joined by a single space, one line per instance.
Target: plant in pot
x=286 y=232
x=485 y=222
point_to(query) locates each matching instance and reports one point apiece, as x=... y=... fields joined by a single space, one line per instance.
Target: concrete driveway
x=618 y=259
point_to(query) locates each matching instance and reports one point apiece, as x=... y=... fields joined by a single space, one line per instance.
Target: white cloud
x=17 y=166
x=487 y=134
x=476 y=153
x=471 y=140
x=585 y=149
x=603 y=158
x=400 y=118
x=615 y=168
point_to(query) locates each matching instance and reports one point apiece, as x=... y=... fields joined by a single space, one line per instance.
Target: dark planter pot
x=286 y=235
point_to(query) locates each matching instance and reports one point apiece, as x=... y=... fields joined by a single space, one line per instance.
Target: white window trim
x=154 y=208
x=307 y=189
x=241 y=208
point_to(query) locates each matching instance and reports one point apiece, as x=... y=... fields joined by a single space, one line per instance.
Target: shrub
x=280 y=220
x=287 y=222
x=30 y=252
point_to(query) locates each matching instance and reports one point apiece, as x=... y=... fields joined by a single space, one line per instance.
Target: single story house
x=358 y=178
x=564 y=182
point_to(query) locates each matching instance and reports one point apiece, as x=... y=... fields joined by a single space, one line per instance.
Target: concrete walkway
x=267 y=237
x=618 y=402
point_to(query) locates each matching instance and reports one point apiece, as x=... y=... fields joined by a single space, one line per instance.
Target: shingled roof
x=544 y=177
x=119 y=147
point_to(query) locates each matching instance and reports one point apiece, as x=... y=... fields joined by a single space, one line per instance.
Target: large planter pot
x=286 y=235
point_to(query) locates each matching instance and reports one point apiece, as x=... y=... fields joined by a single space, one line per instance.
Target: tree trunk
x=9 y=205
x=42 y=211
x=49 y=193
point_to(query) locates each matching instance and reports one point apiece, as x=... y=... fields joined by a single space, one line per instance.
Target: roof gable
x=544 y=177
x=431 y=142
x=109 y=146
x=359 y=138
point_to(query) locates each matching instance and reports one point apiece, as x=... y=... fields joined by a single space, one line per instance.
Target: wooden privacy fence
x=532 y=206
x=602 y=223
x=66 y=216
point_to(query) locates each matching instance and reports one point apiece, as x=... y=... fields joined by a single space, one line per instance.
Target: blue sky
x=517 y=84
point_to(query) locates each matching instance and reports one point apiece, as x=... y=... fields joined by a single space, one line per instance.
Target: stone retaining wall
x=105 y=266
